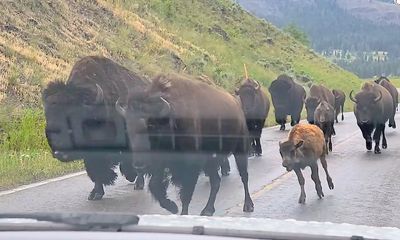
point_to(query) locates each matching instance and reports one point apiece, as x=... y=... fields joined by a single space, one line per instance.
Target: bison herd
x=178 y=126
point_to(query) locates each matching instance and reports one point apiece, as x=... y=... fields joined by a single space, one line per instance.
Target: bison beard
x=188 y=132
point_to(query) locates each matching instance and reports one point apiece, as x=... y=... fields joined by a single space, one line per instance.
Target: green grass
x=211 y=37
x=396 y=81
x=25 y=156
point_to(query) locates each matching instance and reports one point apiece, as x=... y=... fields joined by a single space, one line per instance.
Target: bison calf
x=305 y=145
x=324 y=117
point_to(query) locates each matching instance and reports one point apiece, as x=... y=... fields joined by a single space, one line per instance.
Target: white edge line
x=33 y=185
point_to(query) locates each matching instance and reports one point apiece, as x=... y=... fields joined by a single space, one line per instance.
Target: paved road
x=367 y=187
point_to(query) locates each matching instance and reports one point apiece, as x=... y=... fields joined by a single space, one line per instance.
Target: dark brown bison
x=373 y=107
x=305 y=145
x=86 y=101
x=255 y=104
x=324 y=117
x=340 y=98
x=288 y=99
x=384 y=82
x=186 y=126
x=318 y=93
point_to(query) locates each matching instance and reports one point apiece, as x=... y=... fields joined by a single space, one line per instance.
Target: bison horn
x=165 y=111
x=120 y=109
x=351 y=97
x=257 y=84
x=377 y=99
x=100 y=94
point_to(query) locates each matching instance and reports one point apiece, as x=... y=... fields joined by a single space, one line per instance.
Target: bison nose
x=286 y=165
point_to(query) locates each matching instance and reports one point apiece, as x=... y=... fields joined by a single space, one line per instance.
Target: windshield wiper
x=85 y=220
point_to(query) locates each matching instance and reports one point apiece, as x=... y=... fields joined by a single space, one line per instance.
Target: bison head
x=324 y=112
x=311 y=104
x=60 y=98
x=291 y=153
x=366 y=105
x=247 y=93
x=142 y=110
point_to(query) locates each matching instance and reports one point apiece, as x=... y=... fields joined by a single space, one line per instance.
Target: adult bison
x=373 y=107
x=318 y=93
x=186 y=126
x=255 y=104
x=340 y=98
x=324 y=117
x=93 y=87
x=304 y=146
x=385 y=82
x=287 y=98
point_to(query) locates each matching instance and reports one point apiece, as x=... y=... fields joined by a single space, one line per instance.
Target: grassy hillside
x=40 y=41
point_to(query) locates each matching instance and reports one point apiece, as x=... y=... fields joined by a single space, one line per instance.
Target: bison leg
x=158 y=185
x=392 y=122
x=325 y=166
x=258 y=146
x=337 y=113
x=342 y=108
x=189 y=180
x=215 y=181
x=128 y=171
x=317 y=181
x=294 y=121
x=132 y=175
x=101 y=172
x=300 y=178
x=366 y=132
x=241 y=163
x=281 y=122
x=252 y=147
x=377 y=138
x=139 y=182
x=225 y=167
x=384 y=143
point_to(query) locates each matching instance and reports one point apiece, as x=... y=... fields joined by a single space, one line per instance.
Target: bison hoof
x=138 y=186
x=258 y=154
x=302 y=199
x=139 y=183
x=330 y=184
x=368 y=145
x=320 y=193
x=208 y=211
x=248 y=206
x=377 y=150
x=225 y=173
x=94 y=196
x=282 y=128
x=170 y=206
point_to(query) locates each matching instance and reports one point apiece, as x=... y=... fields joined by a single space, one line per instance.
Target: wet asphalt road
x=367 y=187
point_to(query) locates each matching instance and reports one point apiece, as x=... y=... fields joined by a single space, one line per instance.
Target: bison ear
x=237 y=91
x=299 y=144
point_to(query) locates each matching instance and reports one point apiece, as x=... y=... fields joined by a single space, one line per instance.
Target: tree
x=297 y=34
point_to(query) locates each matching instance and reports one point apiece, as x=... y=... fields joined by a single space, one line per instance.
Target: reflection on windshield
x=200 y=108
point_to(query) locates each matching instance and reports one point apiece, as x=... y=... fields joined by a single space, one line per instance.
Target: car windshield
x=225 y=108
